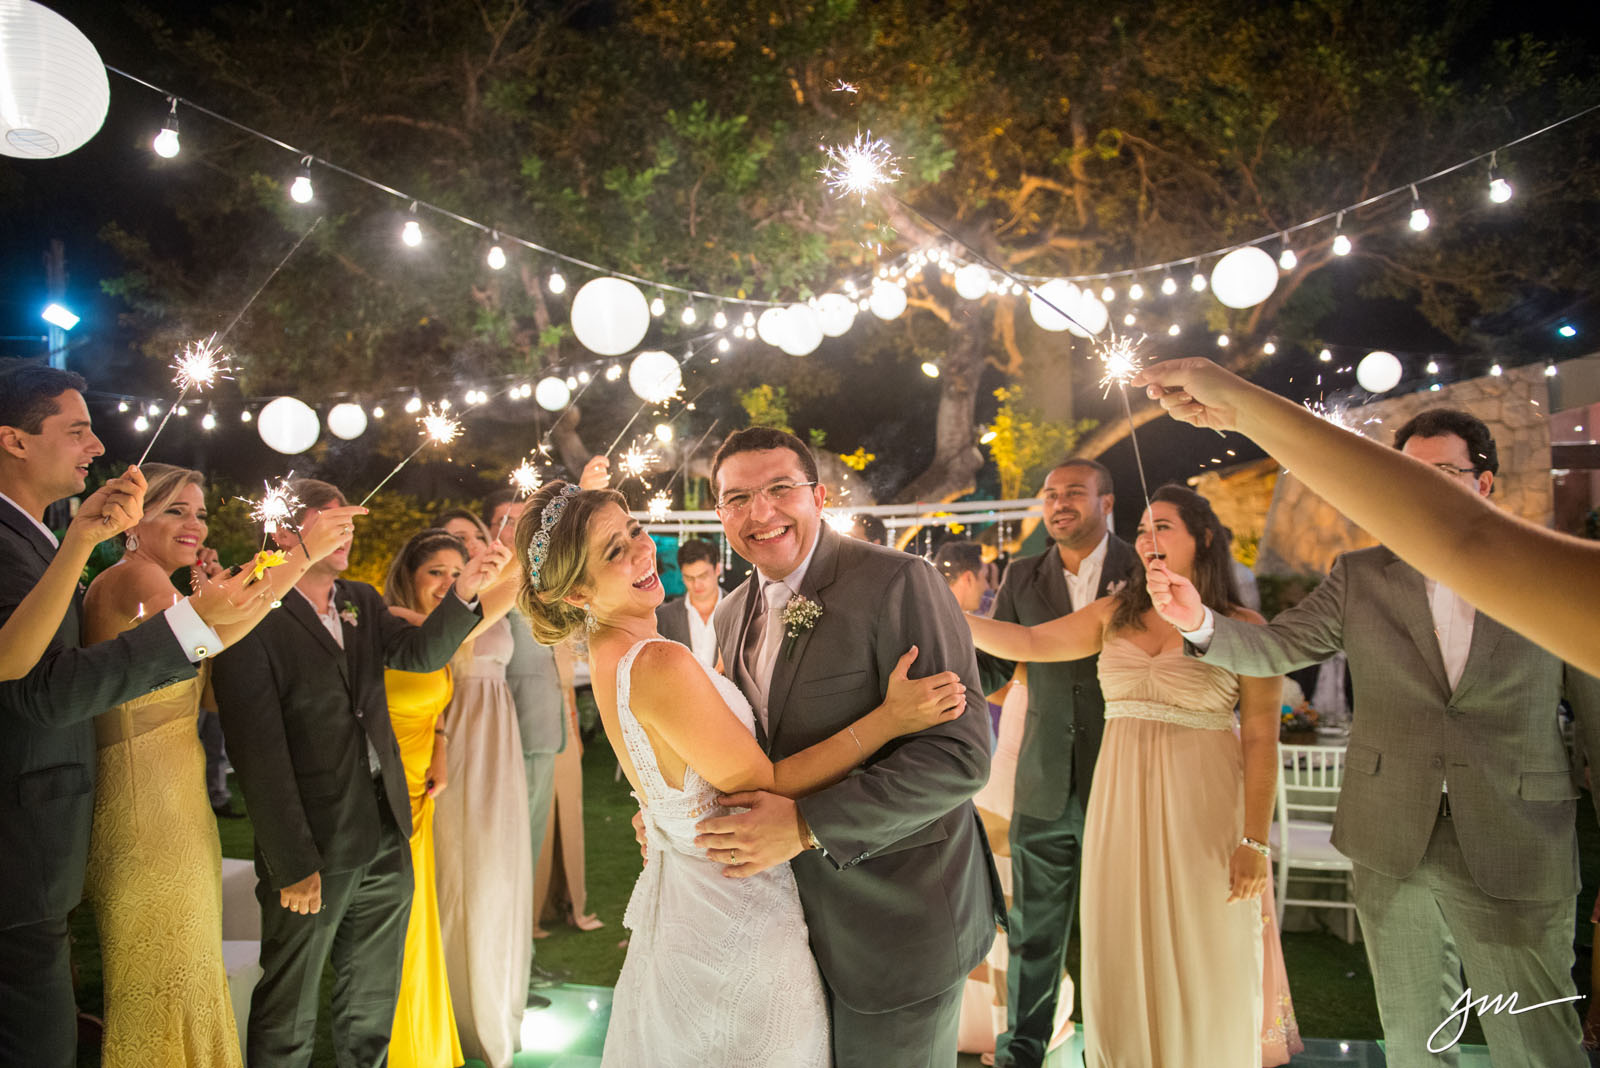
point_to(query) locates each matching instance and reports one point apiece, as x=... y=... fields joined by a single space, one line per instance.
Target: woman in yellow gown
x=424 y=1034
x=155 y=864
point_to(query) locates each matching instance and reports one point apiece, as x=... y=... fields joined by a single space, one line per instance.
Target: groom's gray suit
x=903 y=899
x=1486 y=878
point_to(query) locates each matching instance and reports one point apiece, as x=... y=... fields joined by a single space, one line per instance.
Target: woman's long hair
x=1213 y=562
x=400 y=586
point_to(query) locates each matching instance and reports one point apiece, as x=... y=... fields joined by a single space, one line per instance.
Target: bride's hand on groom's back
x=917 y=704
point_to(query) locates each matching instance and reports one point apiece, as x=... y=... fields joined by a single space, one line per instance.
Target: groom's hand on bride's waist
x=747 y=843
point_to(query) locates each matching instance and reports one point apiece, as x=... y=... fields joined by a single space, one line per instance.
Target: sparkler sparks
x=860 y=167
x=277 y=505
x=525 y=479
x=842 y=86
x=198 y=366
x=638 y=460
x=1336 y=414
x=1120 y=357
x=839 y=521
x=658 y=506
x=439 y=428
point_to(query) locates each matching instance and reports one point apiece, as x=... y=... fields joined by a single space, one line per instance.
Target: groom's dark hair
x=760 y=439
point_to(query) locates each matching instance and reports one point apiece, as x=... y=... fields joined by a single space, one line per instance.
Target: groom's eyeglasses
x=735 y=502
x=1454 y=471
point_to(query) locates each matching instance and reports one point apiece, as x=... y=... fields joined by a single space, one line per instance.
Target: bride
x=719 y=969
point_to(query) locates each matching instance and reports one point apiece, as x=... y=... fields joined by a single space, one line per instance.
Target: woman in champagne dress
x=1181 y=963
x=485 y=851
x=424 y=1035
x=155 y=864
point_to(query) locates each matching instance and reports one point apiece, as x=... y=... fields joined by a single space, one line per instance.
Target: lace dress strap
x=640 y=751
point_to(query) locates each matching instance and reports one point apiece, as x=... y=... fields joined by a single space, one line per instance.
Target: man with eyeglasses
x=1458 y=802
x=894 y=872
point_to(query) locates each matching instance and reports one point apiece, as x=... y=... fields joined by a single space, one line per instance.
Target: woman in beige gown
x=1180 y=956
x=155 y=864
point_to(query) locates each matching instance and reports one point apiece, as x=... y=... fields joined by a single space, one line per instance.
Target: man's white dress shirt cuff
x=198 y=640
x=472 y=605
x=1201 y=636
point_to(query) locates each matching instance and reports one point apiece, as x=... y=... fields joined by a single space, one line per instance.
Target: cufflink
x=201 y=652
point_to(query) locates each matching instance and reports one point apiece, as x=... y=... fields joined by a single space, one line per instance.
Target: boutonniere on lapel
x=350 y=613
x=799 y=616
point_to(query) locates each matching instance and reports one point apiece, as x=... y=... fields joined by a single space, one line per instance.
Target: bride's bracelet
x=1260 y=847
x=861 y=753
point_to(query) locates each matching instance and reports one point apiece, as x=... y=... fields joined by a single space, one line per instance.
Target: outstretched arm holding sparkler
x=1536 y=581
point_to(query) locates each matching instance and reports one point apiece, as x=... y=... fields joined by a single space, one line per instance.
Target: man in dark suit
x=307 y=723
x=46 y=737
x=687 y=619
x=894 y=872
x=1055 y=764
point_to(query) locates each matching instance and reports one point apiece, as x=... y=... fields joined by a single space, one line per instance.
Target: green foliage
x=766 y=405
x=1026 y=445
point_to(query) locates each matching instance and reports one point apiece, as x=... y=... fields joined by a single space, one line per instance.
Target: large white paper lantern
x=288 y=425
x=53 y=89
x=654 y=376
x=1244 y=277
x=888 y=300
x=1378 y=372
x=1090 y=313
x=1059 y=292
x=347 y=421
x=972 y=281
x=769 y=327
x=552 y=394
x=837 y=313
x=802 y=331
x=610 y=316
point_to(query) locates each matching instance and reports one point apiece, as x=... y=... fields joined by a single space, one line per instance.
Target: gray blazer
x=535 y=690
x=1495 y=736
x=672 y=620
x=906 y=876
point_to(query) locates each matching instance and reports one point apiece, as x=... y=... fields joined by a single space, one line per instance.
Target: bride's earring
x=131 y=542
x=590 y=623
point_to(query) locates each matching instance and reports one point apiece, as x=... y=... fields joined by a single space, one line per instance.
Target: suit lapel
x=819 y=576
x=1050 y=583
x=12 y=517
x=1411 y=604
x=299 y=609
x=1118 y=566
x=1486 y=635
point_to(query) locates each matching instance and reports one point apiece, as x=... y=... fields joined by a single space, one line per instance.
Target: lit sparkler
x=863 y=166
x=658 y=506
x=1119 y=355
x=839 y=521
x=842 y=86
x=1337 y=414
x=525 y=479
x=437 y=429
x=638 y=460
x=197 y=367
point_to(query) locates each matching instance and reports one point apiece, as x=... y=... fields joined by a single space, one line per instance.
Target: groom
x=895 y=875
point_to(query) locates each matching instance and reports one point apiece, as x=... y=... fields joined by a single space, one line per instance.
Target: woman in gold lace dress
x=424 y=1034
x=155 y=864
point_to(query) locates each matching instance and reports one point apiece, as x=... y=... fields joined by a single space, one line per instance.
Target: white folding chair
x=1308 y=786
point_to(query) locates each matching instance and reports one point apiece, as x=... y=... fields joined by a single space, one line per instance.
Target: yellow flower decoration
x=264 y=560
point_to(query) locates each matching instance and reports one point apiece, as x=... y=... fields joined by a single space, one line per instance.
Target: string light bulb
x=1326 y=356
x=208 y=421
x=1500 y=190
x=689 y=315
x=720 y=319
x=1174 y=330
x=122 y=406
x=1497 y=370
x=555 y=283
x=1169 y=285
x=1197 y=282
x=166 y=142
x=141 y=424
x=930 y=368
x=245 y=416
x=1420 y=220
x=1107 y=295
x=1222 y=341
x=414 y=405
x=497 y=255
x=1287 y=260
x=658 y=307
x=1341 y=244
x=1270 y=348
x=1433 y=367
x=1136 y=292
x=411 y=232
x=300 y=190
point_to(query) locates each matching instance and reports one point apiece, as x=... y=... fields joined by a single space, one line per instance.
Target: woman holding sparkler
x=1180 y=954
x=155 y=864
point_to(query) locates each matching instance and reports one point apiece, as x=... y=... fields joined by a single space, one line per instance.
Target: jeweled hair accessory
x=540 y=543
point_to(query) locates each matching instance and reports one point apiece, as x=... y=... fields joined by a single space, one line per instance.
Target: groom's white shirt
x=761 y=676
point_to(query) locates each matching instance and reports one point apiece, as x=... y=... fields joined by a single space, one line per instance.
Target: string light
x=300 y=190
x=1433 y=367
x=555 y=283
x=122 y=406
x=930 y=368
x=1326 y=356
x=166 y=142
x=497 y=255
x=1497 y=370
x=1287 y=260
x=719 y=320
x=1169 y=285
x=658 y=307
x=377 y=411
x=411 y=232
x=1136 y=292
x=1420 y=220
x=1270 y=348
x=1500 y=190
x=1107 y=295
x=1174 y=330
x=208 y=421
x=245 y=416
x=1197 y=282
x=1222 y=341
x=141 y=424
x=688 y=315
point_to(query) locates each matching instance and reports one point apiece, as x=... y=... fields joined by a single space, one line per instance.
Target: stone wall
x=1241 y=496
x=1301 y=533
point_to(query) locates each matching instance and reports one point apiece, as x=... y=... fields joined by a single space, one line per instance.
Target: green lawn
x=1332 y=988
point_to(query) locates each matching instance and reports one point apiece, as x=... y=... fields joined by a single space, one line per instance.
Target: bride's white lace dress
x=719 y=971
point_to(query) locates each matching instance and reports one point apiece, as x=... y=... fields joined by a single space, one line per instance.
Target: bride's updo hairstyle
x=553 y=552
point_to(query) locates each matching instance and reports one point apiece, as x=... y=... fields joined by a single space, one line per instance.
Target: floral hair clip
x=540 y=544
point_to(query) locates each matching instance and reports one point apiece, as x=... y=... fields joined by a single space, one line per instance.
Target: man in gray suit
x=895 y=875
x=1458 y=800
x=687 y=619
x=1060 y=741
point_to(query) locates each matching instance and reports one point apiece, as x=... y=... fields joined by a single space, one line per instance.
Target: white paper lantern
x=610 y=316
x=1244 y=277
x=837 y=314
x=552 y=394
x=972 y=281
x=53 y=89
x=347 y=420
x=1091 y=314
x=288 y=425
x=888 y=300
x=1060 y=292
x=654 y=376
x=1378 y=372
x=802 y=331
x=769 y=327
